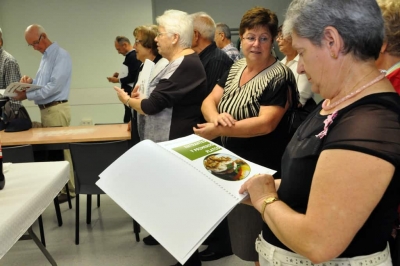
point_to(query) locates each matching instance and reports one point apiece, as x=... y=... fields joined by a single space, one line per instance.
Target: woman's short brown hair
x=259 y=16
x=148 y=34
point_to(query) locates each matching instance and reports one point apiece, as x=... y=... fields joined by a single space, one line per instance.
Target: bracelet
x=267 y=201
x=127 y=102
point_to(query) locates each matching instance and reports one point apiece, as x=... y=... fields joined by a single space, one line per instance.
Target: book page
x=174 y=198
x=144 y=78
x=11 y=89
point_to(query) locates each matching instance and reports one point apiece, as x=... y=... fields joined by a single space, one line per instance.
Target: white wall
x=86 y=29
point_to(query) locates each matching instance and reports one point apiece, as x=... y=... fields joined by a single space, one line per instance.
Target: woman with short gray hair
x=337 y=197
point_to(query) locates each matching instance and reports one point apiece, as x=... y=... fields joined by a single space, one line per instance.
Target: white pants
x=270 y=255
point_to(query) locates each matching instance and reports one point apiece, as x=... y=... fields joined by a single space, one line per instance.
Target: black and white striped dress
x=271 y=87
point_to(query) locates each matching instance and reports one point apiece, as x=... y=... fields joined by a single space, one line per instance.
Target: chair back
x=18 y=154
x=90 y=159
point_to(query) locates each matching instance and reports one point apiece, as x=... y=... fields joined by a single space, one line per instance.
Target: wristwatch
x=127 y=102
x=267 y=201
x=270 y=200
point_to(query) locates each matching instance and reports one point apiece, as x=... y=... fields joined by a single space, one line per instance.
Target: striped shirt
x=273 y=86
x=232 y=52
x=215 y=63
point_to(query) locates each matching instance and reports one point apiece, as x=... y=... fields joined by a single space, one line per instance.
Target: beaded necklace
x=327 y=107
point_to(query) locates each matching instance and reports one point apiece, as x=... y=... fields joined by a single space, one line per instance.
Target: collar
x=393 y=68
x=129 y=52
x=229 y=45
x=51 y=48
x=294 y=60
x=209 y=48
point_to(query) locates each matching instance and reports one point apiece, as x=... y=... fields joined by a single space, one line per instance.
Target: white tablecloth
x=29 y=190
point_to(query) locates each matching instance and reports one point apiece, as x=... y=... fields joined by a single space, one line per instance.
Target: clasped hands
x=211 y=129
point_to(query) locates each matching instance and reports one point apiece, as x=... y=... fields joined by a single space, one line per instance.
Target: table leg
x=41 y=247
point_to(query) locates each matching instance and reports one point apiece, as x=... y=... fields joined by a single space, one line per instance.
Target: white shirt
x=303 y=85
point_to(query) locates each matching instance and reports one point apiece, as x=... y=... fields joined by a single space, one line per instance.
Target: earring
x=333 y=56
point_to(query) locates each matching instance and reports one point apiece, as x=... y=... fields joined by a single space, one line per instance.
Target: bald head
x=34 y=29
x=36 y=36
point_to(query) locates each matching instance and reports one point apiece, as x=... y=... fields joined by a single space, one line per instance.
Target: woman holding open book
x=247 y=108
x=337 y=198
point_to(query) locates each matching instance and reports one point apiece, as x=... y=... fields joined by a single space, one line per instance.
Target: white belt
x=278 y=256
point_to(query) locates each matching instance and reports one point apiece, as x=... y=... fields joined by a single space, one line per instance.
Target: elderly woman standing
x=389 y=56
x=337 y=199
x=146 y=49
x=247 y=108
x=173 y=106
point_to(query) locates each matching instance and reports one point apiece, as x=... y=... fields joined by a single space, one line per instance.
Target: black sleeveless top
x=370 y=125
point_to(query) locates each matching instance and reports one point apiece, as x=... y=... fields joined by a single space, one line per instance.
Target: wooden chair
x=89 y=160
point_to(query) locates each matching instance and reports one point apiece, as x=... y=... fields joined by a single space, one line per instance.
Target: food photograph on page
x=227 y=167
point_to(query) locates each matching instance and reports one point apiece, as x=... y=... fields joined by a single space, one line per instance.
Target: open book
x=178 y=190
x=11 y=89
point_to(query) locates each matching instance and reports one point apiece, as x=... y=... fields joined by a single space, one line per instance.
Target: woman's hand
x=224 y=119
x=135 y=92
x=122 y=95
x=259 y=187
x=206 y=130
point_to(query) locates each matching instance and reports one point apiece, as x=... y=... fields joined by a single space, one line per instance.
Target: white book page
x=178 y=204
x=144 y=79
x=11 y=89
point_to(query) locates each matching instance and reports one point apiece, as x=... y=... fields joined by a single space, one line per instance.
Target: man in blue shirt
x=54 y=75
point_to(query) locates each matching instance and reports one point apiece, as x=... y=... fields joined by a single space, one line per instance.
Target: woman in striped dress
x=248 y=109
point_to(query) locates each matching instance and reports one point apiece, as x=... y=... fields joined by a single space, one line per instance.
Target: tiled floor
x=109 y=240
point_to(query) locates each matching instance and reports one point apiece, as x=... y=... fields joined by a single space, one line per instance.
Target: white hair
x=204 y=24
x=178 y=22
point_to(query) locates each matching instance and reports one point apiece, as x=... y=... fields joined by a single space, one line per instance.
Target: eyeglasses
x=36 y=42
x=279 y=37
x=138 y=41
x=161 y=33
x=252 y=39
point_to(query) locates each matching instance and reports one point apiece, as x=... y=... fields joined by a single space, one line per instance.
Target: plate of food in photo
x=226 y=166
